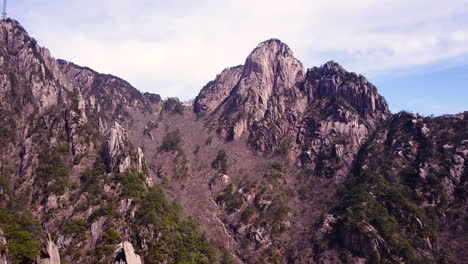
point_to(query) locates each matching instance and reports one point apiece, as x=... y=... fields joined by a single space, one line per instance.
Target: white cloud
x=174 y=48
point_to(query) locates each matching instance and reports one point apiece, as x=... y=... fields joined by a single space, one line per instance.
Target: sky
x=415 y=52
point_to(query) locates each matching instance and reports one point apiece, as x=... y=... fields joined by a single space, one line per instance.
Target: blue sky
x=415 y=52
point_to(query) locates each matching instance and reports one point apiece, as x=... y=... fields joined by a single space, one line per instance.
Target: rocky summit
x=271 y=163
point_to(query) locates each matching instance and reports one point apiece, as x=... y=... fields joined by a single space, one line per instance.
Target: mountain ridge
x=273 y=162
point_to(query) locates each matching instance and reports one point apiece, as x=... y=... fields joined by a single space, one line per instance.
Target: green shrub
x=7 y=128
x=181 y=168
x=91 y=177
x=171 y=141
x=361 y=208
x=209 y=141
x=232 y=200
x=133 y=184
x=76 y=229
x=220 y=163
x=153 y=98
x=22 y=233
x=153 y=207
x=5 y=185
x=410 y=177
x=283 y=147
x=278 y=166
x=104 y=210
x=106 y=244
x=88 y=132
x=52 y=172
x=276 y=171
x=110 y=237
x=247 y=214
x=150 y=126
x=226 y=258
x=173 y=106
x=179 y=240
x=22 y=247
x=277 y=213
x=341 y=140
x=196 y=150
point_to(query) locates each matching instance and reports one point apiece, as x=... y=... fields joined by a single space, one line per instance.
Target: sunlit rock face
x=275 y=103
x=126 y=254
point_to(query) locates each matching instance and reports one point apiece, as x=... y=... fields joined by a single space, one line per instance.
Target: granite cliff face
x=215 y=92
x=273 y=163
x=275 y=104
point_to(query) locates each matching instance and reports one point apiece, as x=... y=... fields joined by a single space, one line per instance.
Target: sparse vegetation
x=247 y=214
x=278 y=166
x=154 y=98
x=220 y=162
x=91 y=177
x=22 y=233
x=171 y=141
x=76 y=229
x=362 y=208
x=276 y=215
x=226 y=258
x=179 y=240
x=107 y=210
x=150 y=126
x=52 y=172
x=173 y=106
x=209 y=141
x=283 y=147
x=5 y=185
x=196 y=150
x=106 y=244
x=230 y=199
x=276 y=171
x=133 y=184
x=7 y=128
x=181 y=168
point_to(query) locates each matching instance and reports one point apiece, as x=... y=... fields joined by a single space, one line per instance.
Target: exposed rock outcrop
x=267 y=92
x=215 y=92
x=274 y=96
x=3 y=257
x=366 y=243
x=97 y=229
x=116 y=149
x=279 y=108
x=331 y=80
x=53 y=255
x=126 y=254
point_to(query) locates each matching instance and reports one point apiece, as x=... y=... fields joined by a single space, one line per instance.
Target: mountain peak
x=271 y=50
x=332 y=65
x=14 y=37
x=10 y=24
x=9 y=21
x=273 y=43
x=270 y=68
x=270 y=59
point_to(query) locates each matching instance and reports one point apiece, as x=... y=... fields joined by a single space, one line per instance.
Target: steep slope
x=72 y=186
x=306 y=135
x=273 y=162
x=407 y=198
x=280 y=108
